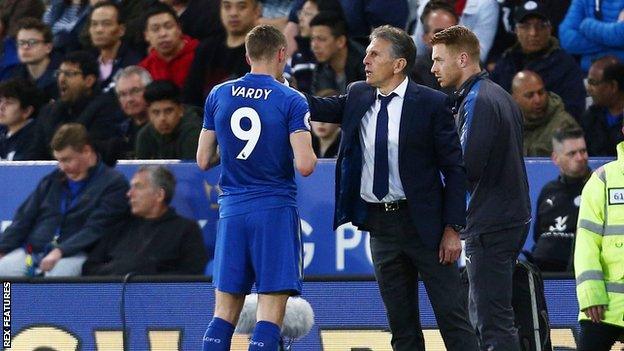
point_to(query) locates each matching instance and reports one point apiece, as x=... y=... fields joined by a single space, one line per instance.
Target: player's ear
x=247 y=59
x=281 y=54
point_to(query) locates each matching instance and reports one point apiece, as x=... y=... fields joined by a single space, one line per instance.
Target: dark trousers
x=398 y=257
x=490 y=262
x=598 y=336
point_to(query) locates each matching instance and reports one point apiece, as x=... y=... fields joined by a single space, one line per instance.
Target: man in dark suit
x=398 y=137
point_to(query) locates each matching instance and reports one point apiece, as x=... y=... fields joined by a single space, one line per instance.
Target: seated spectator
x=130 y=83
x=20 y=101
x=558 y=203
x=171 y=52
x=339 y=59
x=38 y=61
x=603 y=120
x=592 y=29
x=174 y=128
x=480 y=16
x=218 y=59
x=437 y=15
x=543 y=113
x=325 y=139
x=106 y=31
x=538 y=51
x=199 y=19
x=155 y=240
x=363 y=16
x=67 y=18
x=303 y=61
x=68 y=212
x=78 y=102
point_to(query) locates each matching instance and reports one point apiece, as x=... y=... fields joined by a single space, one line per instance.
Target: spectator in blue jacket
x=69 y=211
x=538 y=51
x=67 y=18
x=592 y=29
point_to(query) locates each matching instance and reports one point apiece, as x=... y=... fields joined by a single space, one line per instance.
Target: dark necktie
x=381 y=176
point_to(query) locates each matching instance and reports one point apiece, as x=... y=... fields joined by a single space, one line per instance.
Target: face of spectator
x=324 y=130
x=165 y=115
x=379 y=62
x=602 y=92
x=533 y=34
x=532 y=97
x=104 y=28
x=436 y=22
x=323 y=43
x=239 y=16
x=11 y=112
x=72 y=83
x=307 y=12
x=446 y=66
x=31 y=47
x=143 y=195
x=164 y=34
x=130 y=94
x=74 y=163
x=571 y=157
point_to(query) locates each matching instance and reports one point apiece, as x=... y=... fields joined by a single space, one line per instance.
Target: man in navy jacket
x=398 y=137
x=69 y=211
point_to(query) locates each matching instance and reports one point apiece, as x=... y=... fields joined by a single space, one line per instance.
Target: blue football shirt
x=253 y=118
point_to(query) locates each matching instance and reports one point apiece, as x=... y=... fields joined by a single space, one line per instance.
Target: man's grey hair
x=161 y=178
x=129 y=71
x=402 y=44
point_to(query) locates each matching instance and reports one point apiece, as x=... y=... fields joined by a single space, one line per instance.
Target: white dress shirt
x=368 y=127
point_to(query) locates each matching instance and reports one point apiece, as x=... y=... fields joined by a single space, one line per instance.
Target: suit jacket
x=428 y=146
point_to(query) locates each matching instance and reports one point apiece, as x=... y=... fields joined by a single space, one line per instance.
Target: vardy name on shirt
x=251 y=93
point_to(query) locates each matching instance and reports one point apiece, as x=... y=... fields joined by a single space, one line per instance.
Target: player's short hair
x=25 y=92
x=160 y=90
x=458 y=39
x=402 y=45
x=85 y=60
x=562 y=134
x=129 y=71
x=161 y=178
x=31 y=23
x=263 y=42
x=72 y=135
x=334 y=20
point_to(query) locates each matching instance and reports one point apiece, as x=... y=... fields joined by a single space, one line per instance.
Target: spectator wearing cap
x=592 y=29
x=542 y=111
x=538 y=51
x=603 y=120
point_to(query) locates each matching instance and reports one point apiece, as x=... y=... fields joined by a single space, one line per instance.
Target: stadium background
x=170 y=313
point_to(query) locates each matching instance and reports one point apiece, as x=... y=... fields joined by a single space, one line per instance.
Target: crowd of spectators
x=135 y=73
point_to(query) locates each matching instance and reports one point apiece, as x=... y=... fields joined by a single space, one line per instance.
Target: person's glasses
x=131 y=92
x=28 y=43
x=538 y=26
x=68 y=74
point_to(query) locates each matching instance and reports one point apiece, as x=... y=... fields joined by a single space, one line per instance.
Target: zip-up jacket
x=599 y=249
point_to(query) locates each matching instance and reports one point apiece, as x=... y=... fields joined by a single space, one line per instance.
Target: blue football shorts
x=263 y=247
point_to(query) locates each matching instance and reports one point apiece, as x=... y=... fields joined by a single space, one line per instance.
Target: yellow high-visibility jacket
x=599 y=249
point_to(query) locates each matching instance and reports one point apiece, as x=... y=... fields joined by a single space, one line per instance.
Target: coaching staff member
x=490 y=130
x=398 y=137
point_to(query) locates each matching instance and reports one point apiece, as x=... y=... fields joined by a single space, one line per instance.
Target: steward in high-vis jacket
x=599 y=257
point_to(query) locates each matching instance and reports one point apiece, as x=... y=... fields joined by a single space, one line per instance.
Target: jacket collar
x=464 y=89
